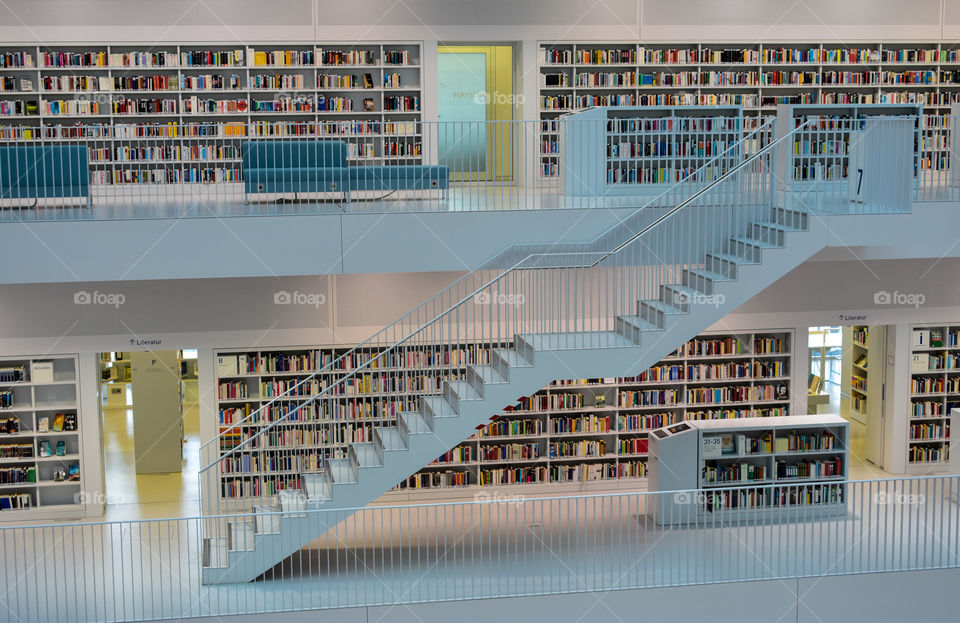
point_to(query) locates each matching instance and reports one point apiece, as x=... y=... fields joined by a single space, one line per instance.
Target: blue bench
x=44 y=172
x=321 y=166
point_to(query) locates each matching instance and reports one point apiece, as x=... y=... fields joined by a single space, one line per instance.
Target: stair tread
x=265 y=521
x=366 y=454
x=464 y=390
x=241 y=535
x=291 y=500
x=754 y=242
x=216 y=552
x=416 y=424
x=340 y=471
x=775 y=225
x=640 y=323
x=315 y=487
x=391 y=438
x=729 y=257
x=512 y=357
x=439 y=406
x=580 y=340
x=488 y=374
x=666 y=308
x=709 y=274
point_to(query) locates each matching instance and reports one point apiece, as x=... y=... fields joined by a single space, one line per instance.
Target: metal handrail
x=517 y=266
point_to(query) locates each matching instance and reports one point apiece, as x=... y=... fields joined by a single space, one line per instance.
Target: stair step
x=415 y=422
x=316 y=487
x=366 y=454
x=438 y=406
x=662 y=307
x=291 y=500
x=754 y=242
x=579 y=340
x=340 y=471
x=265 y=522
x=216 y=552
x=488 y=374
x=640 y=323
x=391 y=438
x=241 y=535
x=463 y=390
x=512 y=357
x=734 y=259
x=656 y=312
x=680 y=295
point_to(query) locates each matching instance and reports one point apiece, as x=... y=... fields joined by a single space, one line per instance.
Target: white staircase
x=740 y=268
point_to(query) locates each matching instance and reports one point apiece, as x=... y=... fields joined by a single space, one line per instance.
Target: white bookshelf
x=607 y=445
x=369 y=95
x=758 y=77
x=627 y=149
x=778 y=467
x=934 y=392
x=859 y=372
x=604 y=447
x=40 y=413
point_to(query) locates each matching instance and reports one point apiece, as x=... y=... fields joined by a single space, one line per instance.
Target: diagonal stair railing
x=288 y=406
x=599 y=295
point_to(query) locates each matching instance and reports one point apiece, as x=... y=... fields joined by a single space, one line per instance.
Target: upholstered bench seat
x=44 y=172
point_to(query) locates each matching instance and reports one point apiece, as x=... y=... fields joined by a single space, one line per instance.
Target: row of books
x=435 y=480
x=806 y=442
x=663 y=149
x=184 y=175
x=583 y=424
x=6 y=399
x=740 y=499
x=578 y=448
x=927 y=385
x=291 y=387
x=13 y=374
x=460 y=454
x=926 y=408
x=18 y=475
x=928 y=454
x=823 y=468
x=736 y=472
x=15 y=501
x=929 y=431
x=511 y=428
x=507 y=452
x=162 y=153
x=16 y=451
x=737 y=393
x=635 y=174
x=258 y=486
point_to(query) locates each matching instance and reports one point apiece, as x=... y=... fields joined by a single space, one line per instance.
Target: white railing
x=502 y=544
x=143 y=170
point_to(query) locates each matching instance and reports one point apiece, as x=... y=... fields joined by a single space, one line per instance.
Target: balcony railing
x=501 y=544
x=197 y=169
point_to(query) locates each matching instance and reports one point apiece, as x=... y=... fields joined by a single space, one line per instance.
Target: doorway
x=151 y=433
x=476 y=101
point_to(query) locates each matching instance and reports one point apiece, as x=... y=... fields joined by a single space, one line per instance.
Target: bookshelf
x=859 y=372
x=756 y=76
x=641 y=149
x=836 y=144
x=40 y=445
x=192 y=105
x=590 y=433
x=934 y=393
x=559 y=437
x=793 y=466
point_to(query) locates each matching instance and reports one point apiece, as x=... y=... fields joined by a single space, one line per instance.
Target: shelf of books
x=192 y=105
x=859 y=371
x=568 y=433
x=759 y=77
x=40 y=447
x=626 y=149
x=934 y=393
x=594 y=432
x=780 y=467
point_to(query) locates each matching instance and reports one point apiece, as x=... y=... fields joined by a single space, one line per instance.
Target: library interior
x=246 y=354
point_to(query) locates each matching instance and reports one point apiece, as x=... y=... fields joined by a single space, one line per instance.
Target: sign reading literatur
x=145 y=343
x=853 y=317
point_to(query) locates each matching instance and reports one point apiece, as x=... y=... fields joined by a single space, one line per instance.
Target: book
x=368 y=81
x=70 y=422
x=45 y=449
x=61 y=448
x=43 y=424
x=368 y=104
x=58 y=421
